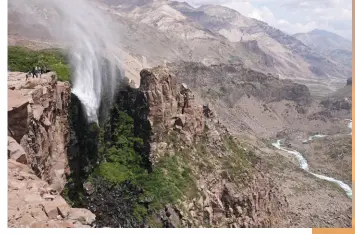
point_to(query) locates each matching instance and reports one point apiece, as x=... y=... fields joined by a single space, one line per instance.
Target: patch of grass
x=22 y=59
x=239 y=163
x=154 y=223
x=170 y=181
x=140 y=212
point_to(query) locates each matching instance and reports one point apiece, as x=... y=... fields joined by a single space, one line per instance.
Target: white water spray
x=84 y=30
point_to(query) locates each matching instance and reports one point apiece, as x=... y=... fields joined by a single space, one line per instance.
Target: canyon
x=174 y=117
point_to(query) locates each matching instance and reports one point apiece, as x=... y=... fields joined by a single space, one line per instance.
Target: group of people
x=37 y=70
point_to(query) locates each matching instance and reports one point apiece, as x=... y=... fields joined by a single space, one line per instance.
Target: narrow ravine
x=304 y=165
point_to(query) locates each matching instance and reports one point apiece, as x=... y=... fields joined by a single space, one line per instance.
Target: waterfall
x=85 y=32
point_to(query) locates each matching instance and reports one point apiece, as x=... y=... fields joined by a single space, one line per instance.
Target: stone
x=33 y=203
x=52 y=224
x=84 y=216
x=89 y=189
x=55 y=207
x=15 y=151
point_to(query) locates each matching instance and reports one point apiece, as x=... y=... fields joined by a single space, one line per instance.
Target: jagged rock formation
x=170 y=106
x=38 y=120
x=38 y=136
x=231 y=192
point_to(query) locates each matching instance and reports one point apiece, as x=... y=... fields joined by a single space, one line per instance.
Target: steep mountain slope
x=288 y=52
x=329 y=44
x=323 y=41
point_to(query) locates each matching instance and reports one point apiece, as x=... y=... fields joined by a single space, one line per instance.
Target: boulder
x=84 y=216
x=15 y=151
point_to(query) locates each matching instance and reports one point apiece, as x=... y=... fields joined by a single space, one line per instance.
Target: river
x=304 y=164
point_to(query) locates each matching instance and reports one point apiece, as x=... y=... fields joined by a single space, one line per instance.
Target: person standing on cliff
x=33 y=72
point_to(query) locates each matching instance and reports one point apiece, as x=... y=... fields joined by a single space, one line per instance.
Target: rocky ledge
x=38 y=136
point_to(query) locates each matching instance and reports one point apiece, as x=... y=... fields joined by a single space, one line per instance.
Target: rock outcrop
x=171 y=106
x=33 y=203
x=38 y=120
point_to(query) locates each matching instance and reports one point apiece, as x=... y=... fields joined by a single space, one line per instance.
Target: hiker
x=42 y=69
x=33 y=72
x=38 y=71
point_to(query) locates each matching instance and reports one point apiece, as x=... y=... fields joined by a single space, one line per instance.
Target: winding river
x=304 y=165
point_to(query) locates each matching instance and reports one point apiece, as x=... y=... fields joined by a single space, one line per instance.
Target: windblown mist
x=84 y=31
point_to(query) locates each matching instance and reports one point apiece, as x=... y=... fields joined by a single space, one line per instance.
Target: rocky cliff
x=38 y=120
x=231 y=192
x=38 y=137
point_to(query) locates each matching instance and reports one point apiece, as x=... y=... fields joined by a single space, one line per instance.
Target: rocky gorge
x=159 y=158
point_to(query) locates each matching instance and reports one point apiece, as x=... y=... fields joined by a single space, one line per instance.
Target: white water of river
x=350 y=125
x=304 y=165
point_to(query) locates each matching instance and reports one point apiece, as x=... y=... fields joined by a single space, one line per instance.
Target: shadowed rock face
x=17 y=114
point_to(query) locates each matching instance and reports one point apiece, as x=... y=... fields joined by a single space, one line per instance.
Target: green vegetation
x=169 y=181
x=22 y=59
x=239 y=164
x=114 y=158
